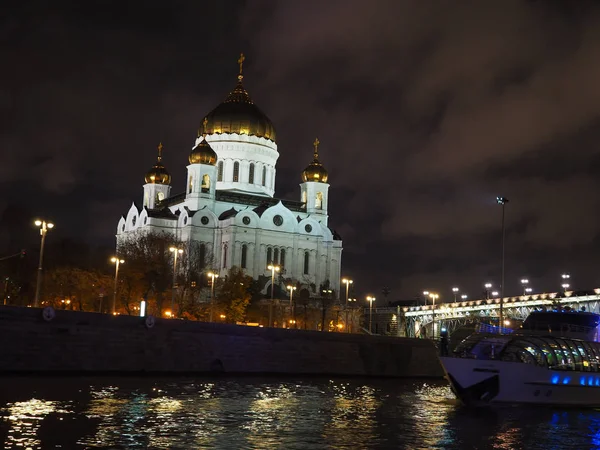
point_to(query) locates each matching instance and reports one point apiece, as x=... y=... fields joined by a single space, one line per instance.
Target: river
x=272 y=413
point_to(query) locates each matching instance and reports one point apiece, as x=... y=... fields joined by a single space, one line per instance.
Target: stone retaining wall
x=81 y=342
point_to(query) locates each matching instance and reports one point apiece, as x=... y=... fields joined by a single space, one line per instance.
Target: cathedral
x=229 y=206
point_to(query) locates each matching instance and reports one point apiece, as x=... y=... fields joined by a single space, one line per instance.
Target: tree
x=74 y=288
x=233 y=295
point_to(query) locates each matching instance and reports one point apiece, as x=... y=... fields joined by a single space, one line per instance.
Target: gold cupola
x=203 y=152
x=239 y=115
x=158 y=174
x=315 y=170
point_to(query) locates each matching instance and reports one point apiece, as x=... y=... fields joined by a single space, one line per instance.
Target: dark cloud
x=426 y=111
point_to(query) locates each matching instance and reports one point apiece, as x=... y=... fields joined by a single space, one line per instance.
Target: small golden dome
x=158 y=174
x=239 y=115
x=203 y=154
x=315 y=170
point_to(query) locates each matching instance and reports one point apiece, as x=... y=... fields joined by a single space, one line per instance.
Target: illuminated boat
x=553 y=359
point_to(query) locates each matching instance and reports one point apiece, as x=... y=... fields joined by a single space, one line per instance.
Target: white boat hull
x=480 y=382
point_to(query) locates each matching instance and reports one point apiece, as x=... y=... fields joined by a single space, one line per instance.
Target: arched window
x=306 y=261
x=264 y=176
x=205 y=182
x=202 y=254
x=319 y=200
x=190 y=185
x=220 y=171
x=304 y=197
x=251 y=174
x=236 y=171
x=269 y=256
x=276 y=256
x=282 y=258
x=244 y=256
x=224 y=256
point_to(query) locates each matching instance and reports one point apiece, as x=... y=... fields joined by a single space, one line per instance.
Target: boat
x=553 y=359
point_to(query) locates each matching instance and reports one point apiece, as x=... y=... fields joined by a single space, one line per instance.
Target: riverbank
x=91 y=343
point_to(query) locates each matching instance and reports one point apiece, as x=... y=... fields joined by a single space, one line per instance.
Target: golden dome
x=315 y=170
x=158 y=174
x=203 y=154
x=238 y=114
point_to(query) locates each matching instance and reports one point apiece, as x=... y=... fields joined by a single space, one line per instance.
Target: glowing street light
x=502 y=201
x=464 y=296
x=565 y=286
x=528 y=290
x=44 y=227
x=524 y=283
x=347 y=282
x=433 y=297
x=487 y=287
x=292 y=305
x=212 y=277
x=176 y=251
x=273 y=268
x=370 y=300
x=117 y=262
x=455 y=292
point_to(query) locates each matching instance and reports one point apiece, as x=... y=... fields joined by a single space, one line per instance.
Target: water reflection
x=268 y=414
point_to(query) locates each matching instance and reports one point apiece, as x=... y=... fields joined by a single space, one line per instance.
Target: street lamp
x=502 y=201
x=212 y=277
x=351 y=303
x=347 y=282
x=455 y=292
x=487 y=287
x=565 y=286
x=176 y=251
x=292 y=306
x=426 y=294
x=463 y=296
x=524 y=283
x=528 y=290
x=117 y=262
x=433 y=297
x=273 y=268
x=44 y=227
x=370 y=300
x=495 y=294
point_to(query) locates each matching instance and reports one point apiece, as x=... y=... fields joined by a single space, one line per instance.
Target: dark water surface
x=271 y=413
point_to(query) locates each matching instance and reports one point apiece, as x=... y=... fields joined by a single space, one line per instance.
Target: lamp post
x=117 y=262
x=292 y=306
x=347 y=282
x=212 y=277
x=464 y=296
x=44 y=227
x=524 y=283
x=565 y=277
x=351 y=303
x=273 y=268
x=487 y=287
x=370 y=300
x=426 y=294
x=528 y=290
x=176 y=251
x=455 y=292
x=433 y=297
x=565 y=286
x=502 y=201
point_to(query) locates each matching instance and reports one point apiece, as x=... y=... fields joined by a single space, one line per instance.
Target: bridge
x=427 y=320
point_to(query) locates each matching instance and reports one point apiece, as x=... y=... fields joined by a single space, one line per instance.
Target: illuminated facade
x=229 y=207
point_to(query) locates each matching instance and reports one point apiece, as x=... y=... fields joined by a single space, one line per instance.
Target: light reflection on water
x=269 y=413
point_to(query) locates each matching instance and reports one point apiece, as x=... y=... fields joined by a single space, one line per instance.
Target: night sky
x=426 y=111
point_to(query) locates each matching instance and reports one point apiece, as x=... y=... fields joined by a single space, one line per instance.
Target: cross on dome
x=316 y=145
x=160 y=147
x=240 y=61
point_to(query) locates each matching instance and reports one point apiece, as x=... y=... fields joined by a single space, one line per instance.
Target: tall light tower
x=433 y=297
x=487 y=287
x=273 y=268
x=44 y=227
x=212 y=277
x=117 y=262
x=347 y=282
x=292 y=305
x=502 y=201
x=565 y=283
x=176 y=251
x=370 y=300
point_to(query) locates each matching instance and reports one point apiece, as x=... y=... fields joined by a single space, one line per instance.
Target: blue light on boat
x=597 y=381
x=566 y=380
x=582 y=381
x=555 y=378
x=590 y=381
